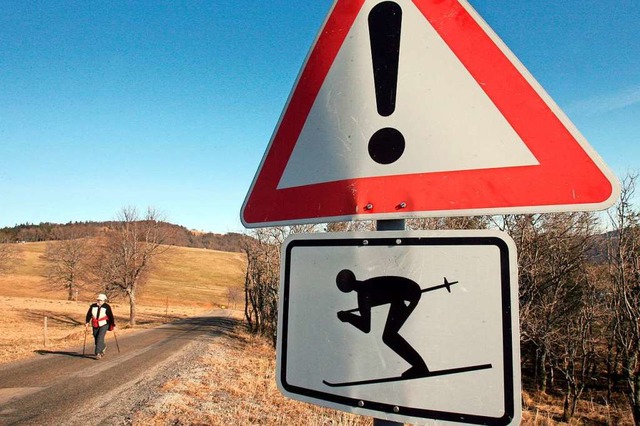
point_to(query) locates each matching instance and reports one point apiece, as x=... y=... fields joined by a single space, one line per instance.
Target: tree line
x=176 y=235
x=579 y=294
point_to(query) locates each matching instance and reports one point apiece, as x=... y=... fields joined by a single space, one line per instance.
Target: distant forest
x=177 y=235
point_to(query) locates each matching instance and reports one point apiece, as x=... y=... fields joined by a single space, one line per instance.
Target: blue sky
x=171 y=104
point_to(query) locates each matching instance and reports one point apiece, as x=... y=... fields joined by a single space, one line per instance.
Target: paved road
x=64 y=387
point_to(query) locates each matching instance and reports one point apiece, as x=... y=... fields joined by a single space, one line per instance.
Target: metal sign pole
x=389 y=225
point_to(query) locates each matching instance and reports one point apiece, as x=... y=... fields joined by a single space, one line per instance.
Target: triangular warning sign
x=416 y=108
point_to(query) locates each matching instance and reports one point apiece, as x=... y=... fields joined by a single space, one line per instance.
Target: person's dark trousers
x=99 y=334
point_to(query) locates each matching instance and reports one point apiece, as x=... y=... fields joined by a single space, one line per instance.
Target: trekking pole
x=116 y=337
x=84 y=345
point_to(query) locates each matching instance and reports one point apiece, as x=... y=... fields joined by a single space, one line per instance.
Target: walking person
x=100 y=318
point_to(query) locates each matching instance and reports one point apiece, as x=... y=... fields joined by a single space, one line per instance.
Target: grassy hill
x=181 y=276
x=193 y=276
x=184 y=282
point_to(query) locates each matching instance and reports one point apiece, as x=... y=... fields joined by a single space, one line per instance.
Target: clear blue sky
x=171 y=104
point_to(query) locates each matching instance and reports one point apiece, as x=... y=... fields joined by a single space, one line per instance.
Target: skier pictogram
x=402 y=295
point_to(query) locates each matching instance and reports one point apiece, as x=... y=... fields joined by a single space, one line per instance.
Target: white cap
x=102 y=297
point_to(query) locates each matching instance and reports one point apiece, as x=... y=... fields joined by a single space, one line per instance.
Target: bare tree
x=6 y=256
x=441 y=223
x=624 y=269
x=69 y=262
x=263 y=277
x=552 y=257
x=129 y=250
x=352 y=226
x=233 y=296
x=577 y=351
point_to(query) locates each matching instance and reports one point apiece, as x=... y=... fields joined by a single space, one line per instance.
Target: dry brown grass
x=542 y=409
x=184 y=283
x=191 y=276
x=234 y=384
x=183 y=276
x=26 y=277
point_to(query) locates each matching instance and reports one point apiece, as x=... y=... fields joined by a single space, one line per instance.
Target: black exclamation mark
x=385 y=20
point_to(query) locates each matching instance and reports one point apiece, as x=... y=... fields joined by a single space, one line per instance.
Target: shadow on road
x=67 y=353
x=216 y=325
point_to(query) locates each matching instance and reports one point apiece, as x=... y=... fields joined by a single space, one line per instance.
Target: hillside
x=181 y=276
x=176 y=235
x=184 y=282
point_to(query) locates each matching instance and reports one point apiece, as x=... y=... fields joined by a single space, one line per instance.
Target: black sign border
x=408 y=240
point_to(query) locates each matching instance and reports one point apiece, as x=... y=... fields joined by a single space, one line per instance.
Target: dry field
x=233 y=382
x=184 y=276
x=185 y=282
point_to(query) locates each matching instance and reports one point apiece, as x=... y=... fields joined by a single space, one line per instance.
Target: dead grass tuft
x=234 y=383
x=542 y=409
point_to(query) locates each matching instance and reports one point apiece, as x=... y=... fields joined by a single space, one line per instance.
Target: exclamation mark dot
x=385 y=20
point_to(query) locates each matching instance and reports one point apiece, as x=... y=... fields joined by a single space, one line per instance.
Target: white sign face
x=333 y=145
x=402 y=325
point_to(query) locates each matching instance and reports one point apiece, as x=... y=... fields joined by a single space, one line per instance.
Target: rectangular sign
x=402 y=325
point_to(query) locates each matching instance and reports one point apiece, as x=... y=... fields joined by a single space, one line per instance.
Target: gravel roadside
x=119 y=405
